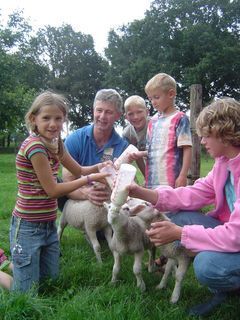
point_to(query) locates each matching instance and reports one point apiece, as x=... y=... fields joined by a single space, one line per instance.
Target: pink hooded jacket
x=207 y=191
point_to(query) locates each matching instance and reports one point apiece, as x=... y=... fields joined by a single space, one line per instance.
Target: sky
x=95 y=17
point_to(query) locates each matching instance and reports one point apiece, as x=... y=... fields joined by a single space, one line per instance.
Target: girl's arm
x=52 y=188
x=143 y=193
x=76 y=169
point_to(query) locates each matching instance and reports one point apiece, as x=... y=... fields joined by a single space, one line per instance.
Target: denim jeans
x=220 y=271
x=35 y=252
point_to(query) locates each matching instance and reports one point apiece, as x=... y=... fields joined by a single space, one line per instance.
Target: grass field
x=83 y=290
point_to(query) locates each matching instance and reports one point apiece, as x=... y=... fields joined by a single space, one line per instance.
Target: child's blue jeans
x=35 y=252
x=220 y=271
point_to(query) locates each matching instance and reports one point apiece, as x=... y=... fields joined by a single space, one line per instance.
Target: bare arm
x=141 y=165
x=181 y=180
x=5 y=280
x=75 y=168
x=97 y=193
x=143 y=193
x=52 y=188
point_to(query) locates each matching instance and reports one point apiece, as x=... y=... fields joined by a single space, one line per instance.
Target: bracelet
x=89 y=181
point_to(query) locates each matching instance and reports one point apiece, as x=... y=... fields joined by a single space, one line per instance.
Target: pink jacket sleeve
x=193 y=197
x=205 y=191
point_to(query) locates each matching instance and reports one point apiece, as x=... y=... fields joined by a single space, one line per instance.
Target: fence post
x=195 y=109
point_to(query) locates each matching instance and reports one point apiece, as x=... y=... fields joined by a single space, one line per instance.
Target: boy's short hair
x=161 y=81
x=136 y=101
x=222 y=119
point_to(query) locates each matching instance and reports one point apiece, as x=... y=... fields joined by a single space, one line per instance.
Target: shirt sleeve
x=34 y=147
x=184 y=137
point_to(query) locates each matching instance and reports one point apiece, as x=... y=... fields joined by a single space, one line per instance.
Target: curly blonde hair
x=222 y=119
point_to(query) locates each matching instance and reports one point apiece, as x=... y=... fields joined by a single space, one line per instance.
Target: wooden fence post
x=195 y=109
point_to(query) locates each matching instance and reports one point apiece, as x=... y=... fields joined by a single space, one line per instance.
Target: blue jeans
x=220 y=271
x=35 y=252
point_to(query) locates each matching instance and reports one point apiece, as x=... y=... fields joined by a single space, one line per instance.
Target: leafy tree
x=76 y=68
x=196 y=41
x=20 y=76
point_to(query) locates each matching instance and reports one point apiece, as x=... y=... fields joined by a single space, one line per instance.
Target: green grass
x=83 y=290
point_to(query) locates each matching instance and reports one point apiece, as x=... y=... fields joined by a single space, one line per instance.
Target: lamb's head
x=134 y=202
x=113 y=211
x=147 y=213
x=126 y=209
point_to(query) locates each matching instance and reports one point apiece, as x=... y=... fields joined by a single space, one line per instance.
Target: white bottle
x=110 y=179
x=124 y=157
x=125 y=177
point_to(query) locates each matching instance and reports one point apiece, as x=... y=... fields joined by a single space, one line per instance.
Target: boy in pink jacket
x=213 y=238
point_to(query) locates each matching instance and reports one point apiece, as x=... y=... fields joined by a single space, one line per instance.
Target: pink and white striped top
x=33 y=204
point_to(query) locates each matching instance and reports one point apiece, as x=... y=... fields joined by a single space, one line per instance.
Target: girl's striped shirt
x=33 y=203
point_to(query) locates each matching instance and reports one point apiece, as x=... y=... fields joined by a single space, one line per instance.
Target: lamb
x=178 y=261
x=89 y=218
x=129 y=238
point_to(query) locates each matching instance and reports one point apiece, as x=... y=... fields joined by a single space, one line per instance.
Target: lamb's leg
x=108 y=234
x=170 y=264
x=95 y=244
x=151 y=258
x=137 y=270
x=61 y=226
x=116 y=266
x=183 y=264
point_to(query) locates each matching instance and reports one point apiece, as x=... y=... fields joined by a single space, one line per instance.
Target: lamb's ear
x=160 y=216
x=135 y=210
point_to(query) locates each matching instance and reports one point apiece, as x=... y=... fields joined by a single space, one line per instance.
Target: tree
x=77 y=70
x=17 y=82
x=196 y=41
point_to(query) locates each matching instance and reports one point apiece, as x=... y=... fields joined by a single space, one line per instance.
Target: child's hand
x=104 y=164
x=99 y=177
x=181 y=181
x=163 y=232
x=133 y=190
x=136 y=155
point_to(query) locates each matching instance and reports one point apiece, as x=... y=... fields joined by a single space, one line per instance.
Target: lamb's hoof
x=174 y=300
x=142 y=287
x=113 y=283
x=160 y=286
x=100 y=263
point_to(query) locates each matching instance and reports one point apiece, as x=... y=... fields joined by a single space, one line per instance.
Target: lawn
x=83 y=290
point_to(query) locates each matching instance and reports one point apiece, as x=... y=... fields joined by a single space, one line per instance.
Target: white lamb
x=88 y=217
x=178 y=261
x=129 y=238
